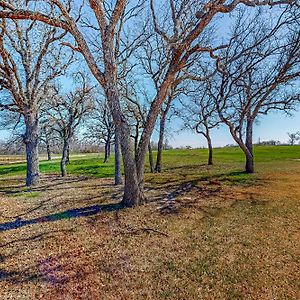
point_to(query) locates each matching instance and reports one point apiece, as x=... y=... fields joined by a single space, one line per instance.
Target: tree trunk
x=32 y=152
x=107 y=150
x=151 y=158
x=48 y=151
x=249 y=163
x=210 y=150
x=64 y=158
x=249 y=144
x=133 y=191
x=150 y=123
x=48 y=148
x=160 y=143
x=118 y=177
x=133 y=168
x=68 y=154
x=249 y=168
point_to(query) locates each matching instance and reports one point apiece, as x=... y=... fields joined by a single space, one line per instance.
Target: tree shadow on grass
x=232 y=177
x=67 y=214
x=48 y=183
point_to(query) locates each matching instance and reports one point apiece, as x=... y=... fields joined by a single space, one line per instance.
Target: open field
x=206 y=233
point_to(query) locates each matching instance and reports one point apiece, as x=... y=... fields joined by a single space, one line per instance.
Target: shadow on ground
x=67 y=214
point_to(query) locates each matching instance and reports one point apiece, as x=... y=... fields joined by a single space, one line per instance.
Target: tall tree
x=261 y=74
x=187 y=18
x=30 y=58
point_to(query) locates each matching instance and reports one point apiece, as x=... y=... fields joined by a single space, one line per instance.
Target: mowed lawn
x=207 y=232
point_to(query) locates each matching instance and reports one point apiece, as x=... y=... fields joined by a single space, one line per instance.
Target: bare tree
x=29 y=59
x=66 y=112
x=260 y=74
x=187 y=19
x=293 y=137
x=100 y=127
x=200 y=114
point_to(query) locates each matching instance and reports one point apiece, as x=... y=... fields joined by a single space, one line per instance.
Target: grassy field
x=207 y=232
x=231 y=159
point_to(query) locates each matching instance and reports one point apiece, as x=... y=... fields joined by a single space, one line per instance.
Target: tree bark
x=68 y=154
x=107 y=150
x=249 y=145
x=151 y=163
x=210 y=150
x=118 y=177
x=31 y=138
x=64 y=158
x=160 y=143
x=162 y=125
x=249 y=167
x=49 y=157
x=133 y=191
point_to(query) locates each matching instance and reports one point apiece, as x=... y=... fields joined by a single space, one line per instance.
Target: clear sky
x=275 y=126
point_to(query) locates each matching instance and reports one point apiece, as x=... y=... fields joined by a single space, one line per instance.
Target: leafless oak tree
x=199 y=114
x=261 y=74
x=30 y=58
x=66 y=112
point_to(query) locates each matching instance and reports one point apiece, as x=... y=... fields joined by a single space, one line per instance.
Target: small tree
x=67 y=111
x=293 y=138
x=200 y=114
x=100 y=127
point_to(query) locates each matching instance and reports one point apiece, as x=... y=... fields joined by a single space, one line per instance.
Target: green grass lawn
x=228 y=160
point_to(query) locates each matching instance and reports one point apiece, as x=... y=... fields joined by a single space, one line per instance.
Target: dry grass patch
x=200 y=240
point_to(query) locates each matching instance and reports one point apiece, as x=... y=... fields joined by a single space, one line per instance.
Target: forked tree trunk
x=31 y=138
x=118 y=177
x=133 y=165
x=64 y=158
x=151 y=163
x=133 y=192
x=249 y=167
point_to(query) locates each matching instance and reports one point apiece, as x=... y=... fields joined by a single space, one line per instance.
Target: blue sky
x=273 y=126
